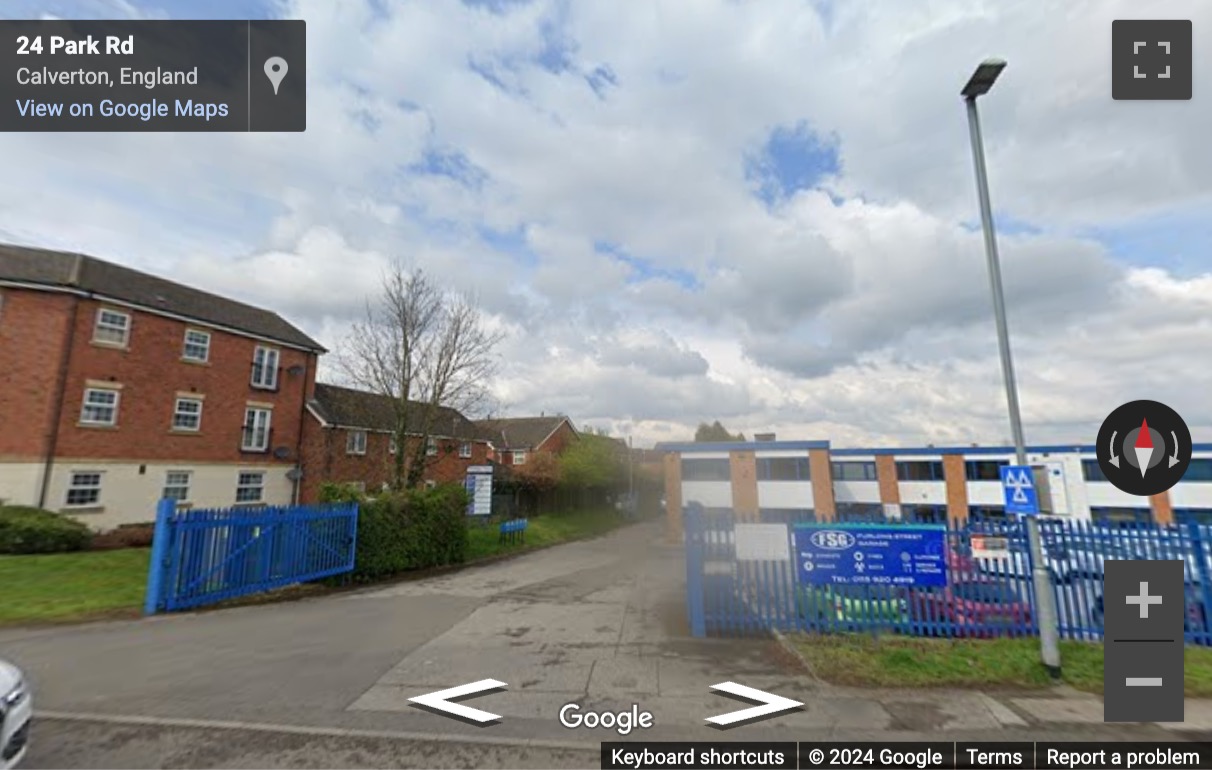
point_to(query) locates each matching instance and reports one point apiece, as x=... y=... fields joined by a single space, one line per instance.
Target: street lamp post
x=978 y=85
x=631 y=476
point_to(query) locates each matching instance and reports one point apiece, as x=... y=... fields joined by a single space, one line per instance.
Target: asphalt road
x=325 y=682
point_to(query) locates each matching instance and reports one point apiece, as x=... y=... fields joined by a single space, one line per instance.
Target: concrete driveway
x=325 y=682
x=600 y=623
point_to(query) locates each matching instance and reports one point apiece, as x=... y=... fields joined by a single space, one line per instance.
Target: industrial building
x=809 y=480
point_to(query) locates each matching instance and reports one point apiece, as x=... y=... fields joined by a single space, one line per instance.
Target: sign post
x=868 y=554
x=479 y=489
x=1018 y=489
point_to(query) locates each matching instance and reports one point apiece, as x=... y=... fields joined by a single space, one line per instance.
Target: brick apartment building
x=118 y=388
x=515 y=438
x=348 y=437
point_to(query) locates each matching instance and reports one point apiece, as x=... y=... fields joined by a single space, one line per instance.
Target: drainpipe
x=69 y=339
x=298 y=483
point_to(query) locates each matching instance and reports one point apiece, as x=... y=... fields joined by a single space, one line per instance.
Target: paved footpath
x=325 y=682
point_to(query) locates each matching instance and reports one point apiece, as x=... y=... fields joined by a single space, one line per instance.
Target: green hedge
x=411 y=530
x=333 y=492
x=33 y=530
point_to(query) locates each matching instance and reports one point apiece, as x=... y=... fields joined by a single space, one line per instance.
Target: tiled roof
x=519 y=432
x=61 y=269
x=350 y=408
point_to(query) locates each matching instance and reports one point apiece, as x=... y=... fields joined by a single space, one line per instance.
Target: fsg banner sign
x=864 y=554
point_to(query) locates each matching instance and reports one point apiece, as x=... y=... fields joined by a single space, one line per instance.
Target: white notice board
x=762 y=542
x=479 y=485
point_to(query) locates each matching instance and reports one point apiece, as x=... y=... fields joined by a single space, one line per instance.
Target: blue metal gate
x=985 y=596
x=207 y=556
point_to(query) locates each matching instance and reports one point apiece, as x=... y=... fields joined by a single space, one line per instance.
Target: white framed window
x=431 y=447
x=465 y=450
x=256 y=429
x=519 y=458
x=187 y=414
x=100 y=406
x=84 y=488
x=392 y=444
x=250 y=487
x=197 y=346
x=430 y=483
x=112 y=328
x=359 y=485
x=265 y=368
x=176 y=486
x=355 y=442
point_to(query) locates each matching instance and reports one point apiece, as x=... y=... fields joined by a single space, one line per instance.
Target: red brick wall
x=743 y=469
x=957 y=488
x=325 y=460
x=559 y=439
x=32 y=335
x=890 y=486
x=673 y=497
x=152 y=372
x=821 y=469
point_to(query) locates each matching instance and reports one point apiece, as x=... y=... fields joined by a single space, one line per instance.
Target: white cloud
x=858 y=313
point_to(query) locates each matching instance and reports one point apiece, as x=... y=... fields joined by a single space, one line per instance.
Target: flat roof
x=737 y=446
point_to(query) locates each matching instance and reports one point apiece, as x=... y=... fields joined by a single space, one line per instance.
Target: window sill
x=265 y=388
x=355 y=454
x=124 y=347
x=194 y=361
x=184 y=432
x=247 y=451
x=96 y=426
x=74 y=509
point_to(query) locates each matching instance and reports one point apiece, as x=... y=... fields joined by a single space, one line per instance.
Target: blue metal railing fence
x=985 y=596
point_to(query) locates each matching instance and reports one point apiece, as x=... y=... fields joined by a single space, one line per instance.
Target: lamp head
x=983 y=78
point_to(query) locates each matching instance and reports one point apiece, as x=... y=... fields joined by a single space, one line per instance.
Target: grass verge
x=92 y=585
x=67 y=586
x=550 y=529
x=893 y=661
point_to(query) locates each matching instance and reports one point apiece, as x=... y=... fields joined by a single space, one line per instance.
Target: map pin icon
x=275 y=70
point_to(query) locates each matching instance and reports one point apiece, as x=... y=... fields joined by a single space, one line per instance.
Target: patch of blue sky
x=500 y=7
x=793 y=158
x=646 y=270
x=510 y=242
x=826 y=11
x=601 y=79
x=211 y=9
x=452 y=164
x=1004 y=224
x=497 y=71
x=1176 y=240
x=557 y=54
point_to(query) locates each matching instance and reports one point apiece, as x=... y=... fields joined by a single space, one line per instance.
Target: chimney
x=763 y=437
x=77 y=266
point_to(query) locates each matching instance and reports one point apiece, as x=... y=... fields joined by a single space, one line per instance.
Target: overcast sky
x=757 y=212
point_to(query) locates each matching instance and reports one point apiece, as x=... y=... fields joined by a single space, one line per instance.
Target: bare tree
x=424 y=348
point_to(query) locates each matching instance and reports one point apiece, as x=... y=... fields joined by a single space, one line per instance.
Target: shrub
x=414 y=529
x=33 y=530
x=345 y=492
x=125 y=536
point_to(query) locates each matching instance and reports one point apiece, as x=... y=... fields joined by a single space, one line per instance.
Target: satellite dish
x=282 y=452
x=294 y=474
